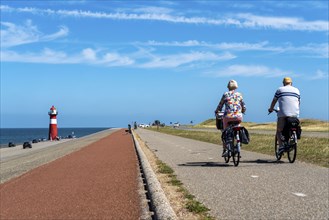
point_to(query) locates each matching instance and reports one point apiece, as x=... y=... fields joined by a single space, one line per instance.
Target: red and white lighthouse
x=53 y=135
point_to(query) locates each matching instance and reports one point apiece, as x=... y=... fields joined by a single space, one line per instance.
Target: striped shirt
x=288 y=98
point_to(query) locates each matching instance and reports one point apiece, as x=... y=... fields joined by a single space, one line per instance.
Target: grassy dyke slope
x=307 y=125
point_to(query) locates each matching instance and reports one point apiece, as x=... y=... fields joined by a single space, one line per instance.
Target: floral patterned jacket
x=234 y=104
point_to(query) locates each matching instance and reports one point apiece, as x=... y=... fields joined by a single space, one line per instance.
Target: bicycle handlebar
x=275 y=110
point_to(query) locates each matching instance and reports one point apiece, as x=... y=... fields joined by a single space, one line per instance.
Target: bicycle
x=289 y=139
x=231 y=138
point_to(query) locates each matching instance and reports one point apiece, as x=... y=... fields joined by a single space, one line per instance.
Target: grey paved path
x=259 y=188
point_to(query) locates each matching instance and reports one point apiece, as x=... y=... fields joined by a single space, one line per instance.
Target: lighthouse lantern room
x=53 y=134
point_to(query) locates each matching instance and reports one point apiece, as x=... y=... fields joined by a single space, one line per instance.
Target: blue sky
x=109 y=63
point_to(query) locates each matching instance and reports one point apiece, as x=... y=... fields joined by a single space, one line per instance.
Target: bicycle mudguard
x=238 y=128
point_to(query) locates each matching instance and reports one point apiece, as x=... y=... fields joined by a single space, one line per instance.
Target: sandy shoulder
x=10 y=152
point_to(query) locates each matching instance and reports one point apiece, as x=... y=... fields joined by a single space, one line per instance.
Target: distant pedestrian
x=129 y=128
x=289 y=102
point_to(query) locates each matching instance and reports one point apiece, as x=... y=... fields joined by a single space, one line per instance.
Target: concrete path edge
x=162 y=207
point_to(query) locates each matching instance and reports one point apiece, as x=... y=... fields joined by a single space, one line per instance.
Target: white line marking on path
x=299 y=194
x=254 y=176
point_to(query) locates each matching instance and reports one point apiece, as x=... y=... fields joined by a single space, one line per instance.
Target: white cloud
x=172 y=61
x=150 y=10
x=45 y=56
x=297 y=5
x=236 y=20
x=94 y=57
x=317 y=50
x=48 y=56
x=281 y=23
x=222 y=46
x=320 y=75
x=249 y=71
x=311 y=49
x=114 y=59
x=89 y=54
x=14 y=35
x=189 y=43
x=63 y=31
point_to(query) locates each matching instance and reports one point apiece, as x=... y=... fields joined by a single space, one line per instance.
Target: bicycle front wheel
x=276 y=149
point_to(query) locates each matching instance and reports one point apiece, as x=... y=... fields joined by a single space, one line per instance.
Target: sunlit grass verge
x=192 y=205
x=310 y=150
x=307 y=125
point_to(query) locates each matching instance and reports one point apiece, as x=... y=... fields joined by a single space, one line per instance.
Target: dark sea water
x=21 y=135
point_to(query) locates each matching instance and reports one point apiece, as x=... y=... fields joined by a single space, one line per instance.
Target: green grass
x=163 y=168
x=307 y=125
x=192 y=205
x=310 y=150
x=196 y=207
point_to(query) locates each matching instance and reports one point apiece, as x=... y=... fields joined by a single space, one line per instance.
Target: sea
x=21 y=135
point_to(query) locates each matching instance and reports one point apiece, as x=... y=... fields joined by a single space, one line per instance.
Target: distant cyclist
x=234 y=106
x=289 y=102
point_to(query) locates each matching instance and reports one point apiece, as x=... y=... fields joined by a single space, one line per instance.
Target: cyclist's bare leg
x=279 y=129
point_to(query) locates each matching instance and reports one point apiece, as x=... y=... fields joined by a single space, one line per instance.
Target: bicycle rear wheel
x=235 y=153
x=276 y=149
x=292 y=152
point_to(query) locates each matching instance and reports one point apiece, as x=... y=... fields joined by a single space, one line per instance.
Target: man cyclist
x=289 y=102
x=234 y=107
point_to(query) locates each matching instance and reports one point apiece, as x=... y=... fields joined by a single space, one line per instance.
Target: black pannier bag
x=299 y=132
x=244 y=136
x=292 y=122
x=219 y=122
x=228 y=135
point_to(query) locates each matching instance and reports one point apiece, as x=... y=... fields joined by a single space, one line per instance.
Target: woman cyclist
x=234 y=107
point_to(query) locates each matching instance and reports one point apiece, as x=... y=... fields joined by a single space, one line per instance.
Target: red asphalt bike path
x=99 y=181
